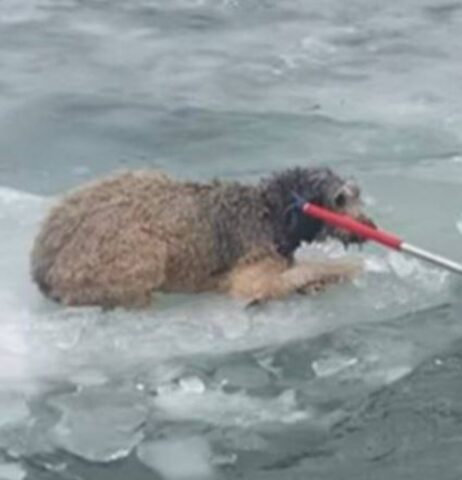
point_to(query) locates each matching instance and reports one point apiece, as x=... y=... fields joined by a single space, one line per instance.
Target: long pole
x=389 y=240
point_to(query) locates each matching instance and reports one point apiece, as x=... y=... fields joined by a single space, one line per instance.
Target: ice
x=405 y=267
x=394 y=374
x=13 y=364
x=409 y=269
x=89 y=378
x=177 y=459
x=13 y=410
x=326 y=367
x=192 y=385
x=376 y=265
x=11 y=471
x=243 y=375
x=459 y=226
x=99 y=424
x=220 y=408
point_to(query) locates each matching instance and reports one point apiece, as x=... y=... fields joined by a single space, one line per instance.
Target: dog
x=116 y=241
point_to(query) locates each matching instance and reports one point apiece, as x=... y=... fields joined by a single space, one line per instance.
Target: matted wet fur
x=116 y=241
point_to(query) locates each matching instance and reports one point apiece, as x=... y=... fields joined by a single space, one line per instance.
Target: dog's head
x=342 y=196
x=322 y=187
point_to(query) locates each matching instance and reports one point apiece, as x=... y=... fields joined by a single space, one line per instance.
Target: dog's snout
x=349 y=237
x=367 y=221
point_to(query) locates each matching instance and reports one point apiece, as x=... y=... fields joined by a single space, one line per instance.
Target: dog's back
x=96 y=200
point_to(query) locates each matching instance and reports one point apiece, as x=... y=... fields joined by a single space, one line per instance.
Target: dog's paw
x=252 y=304
x=314 y=288
x=319 y=285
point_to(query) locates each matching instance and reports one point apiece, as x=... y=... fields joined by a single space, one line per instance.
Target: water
x=360 y=382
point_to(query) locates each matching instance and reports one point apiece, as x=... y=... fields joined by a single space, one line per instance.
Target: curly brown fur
x=118 y=240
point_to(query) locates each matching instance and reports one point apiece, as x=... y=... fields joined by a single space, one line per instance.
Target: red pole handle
x=348 y=223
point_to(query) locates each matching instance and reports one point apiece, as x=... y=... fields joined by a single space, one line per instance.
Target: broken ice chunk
x=11 y=471
x=242 y=375
x=192 y=385
x=176 y=459
x=326 y=367
x=99 y=424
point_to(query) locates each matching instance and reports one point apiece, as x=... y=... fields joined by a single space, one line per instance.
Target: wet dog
x=117 y=241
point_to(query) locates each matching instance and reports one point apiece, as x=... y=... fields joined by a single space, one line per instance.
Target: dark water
x=362 y=382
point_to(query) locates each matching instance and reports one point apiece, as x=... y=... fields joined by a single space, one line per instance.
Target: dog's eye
x=340 y=200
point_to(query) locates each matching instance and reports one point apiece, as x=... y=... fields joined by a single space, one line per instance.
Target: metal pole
x=431 y=257
x=389 y=240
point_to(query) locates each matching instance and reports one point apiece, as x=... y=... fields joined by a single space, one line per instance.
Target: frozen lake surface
x=361 y=382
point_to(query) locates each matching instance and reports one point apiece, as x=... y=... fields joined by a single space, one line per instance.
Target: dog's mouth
x=347 y=237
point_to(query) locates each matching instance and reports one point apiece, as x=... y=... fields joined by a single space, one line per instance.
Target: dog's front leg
x=272 y=278
x=314 y=276
x=258 y=281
